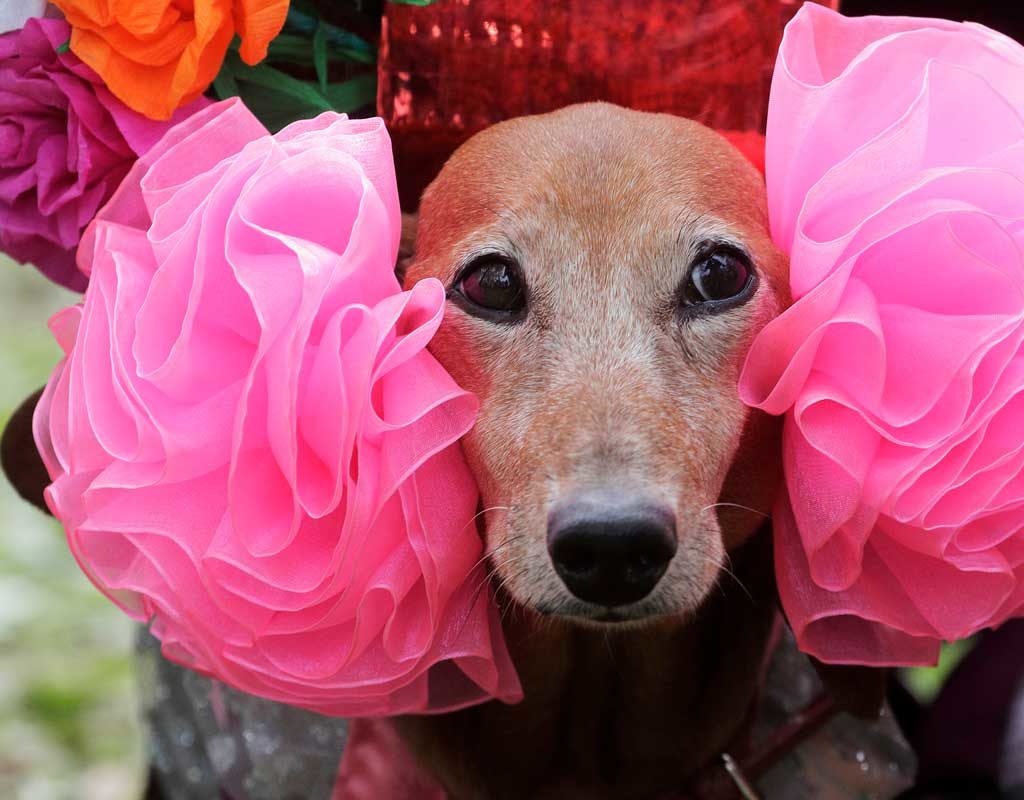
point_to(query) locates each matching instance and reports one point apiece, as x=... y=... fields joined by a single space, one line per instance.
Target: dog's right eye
x=492 y=287
x=719 y=279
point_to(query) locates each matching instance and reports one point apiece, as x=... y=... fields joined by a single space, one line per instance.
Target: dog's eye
x=718 y=279
x=493 y=284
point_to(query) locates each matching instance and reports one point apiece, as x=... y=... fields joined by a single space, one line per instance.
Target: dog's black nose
x=611 y=552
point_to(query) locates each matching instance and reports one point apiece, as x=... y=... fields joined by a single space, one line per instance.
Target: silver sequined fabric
x=209 y=742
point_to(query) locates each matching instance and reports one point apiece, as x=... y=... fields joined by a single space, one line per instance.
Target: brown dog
x=607 y=271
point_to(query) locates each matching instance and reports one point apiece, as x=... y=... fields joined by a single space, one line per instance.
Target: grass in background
x=69 y=726
x=925 y=683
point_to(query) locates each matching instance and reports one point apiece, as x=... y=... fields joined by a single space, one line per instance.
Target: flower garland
x=247 y=434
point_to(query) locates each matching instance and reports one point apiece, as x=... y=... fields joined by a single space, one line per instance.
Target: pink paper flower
x=251 y=446
x=65 y=144
x=895 y=168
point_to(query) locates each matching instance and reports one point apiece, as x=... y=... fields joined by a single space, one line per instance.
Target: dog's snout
x=611 y=552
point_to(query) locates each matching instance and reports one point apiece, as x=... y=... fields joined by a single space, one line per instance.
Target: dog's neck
x=629 y=713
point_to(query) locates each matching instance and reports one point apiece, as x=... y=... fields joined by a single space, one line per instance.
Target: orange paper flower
x=156 y=55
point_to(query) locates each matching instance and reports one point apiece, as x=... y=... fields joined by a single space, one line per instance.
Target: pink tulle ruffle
x=251 y=447
x=895 y=169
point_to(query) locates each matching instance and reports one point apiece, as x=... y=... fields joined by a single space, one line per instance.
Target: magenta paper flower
x=895 y=168
x=251 y=446
x=65 y=144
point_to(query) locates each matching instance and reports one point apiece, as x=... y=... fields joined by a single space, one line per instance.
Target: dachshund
x=607 y=271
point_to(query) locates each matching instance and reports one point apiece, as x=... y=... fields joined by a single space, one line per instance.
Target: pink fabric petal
x=899 y=365
x=873 y=623
x=250 y=444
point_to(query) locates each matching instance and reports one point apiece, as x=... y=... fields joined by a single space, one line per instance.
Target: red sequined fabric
x=452 y=68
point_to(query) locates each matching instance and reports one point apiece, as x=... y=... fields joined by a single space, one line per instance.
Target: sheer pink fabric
x=249 y=444
x=895 y=169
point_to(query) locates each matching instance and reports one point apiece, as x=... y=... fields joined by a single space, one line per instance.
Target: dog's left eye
x=718 y=279
x=492 y=285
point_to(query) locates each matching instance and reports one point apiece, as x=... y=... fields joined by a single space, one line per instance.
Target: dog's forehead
x=594 y=177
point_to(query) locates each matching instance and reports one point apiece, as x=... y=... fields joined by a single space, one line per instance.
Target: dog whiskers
x=490 y=573
x=724 y=568
x=483 y=511
x=502 y=586
x=736 y=505
x=488 y=553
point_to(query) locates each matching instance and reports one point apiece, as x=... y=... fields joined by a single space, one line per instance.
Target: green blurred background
x=69 y=726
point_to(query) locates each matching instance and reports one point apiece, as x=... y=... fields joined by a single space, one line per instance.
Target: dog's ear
x=859 y=691
x=19 y=456
x=406 y=246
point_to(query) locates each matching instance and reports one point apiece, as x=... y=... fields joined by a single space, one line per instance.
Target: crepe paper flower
x=899 y=366
x=251 y=447
x=65 y=144
x=15 y=13
x=157 y=55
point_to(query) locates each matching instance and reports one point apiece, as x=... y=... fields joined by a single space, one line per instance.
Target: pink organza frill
x=895 y=169
x=250 y=446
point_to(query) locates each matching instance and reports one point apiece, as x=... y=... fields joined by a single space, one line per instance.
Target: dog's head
x=606 y=272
